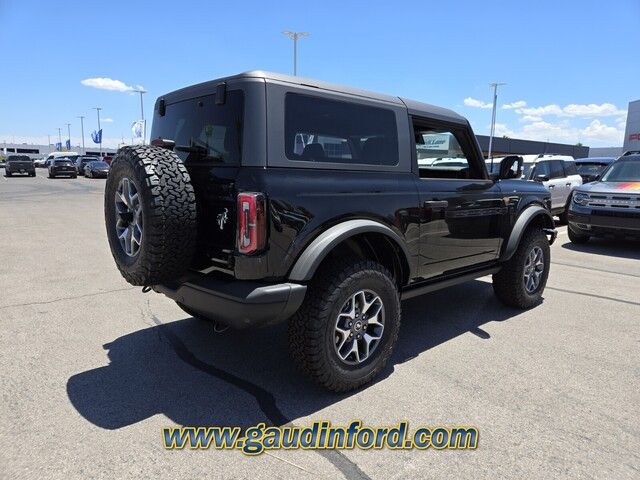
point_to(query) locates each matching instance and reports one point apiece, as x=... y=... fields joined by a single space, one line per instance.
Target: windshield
x=100 y=164
x=526 y=169
x=590 y=168
x=623 y=171
x=203 y=131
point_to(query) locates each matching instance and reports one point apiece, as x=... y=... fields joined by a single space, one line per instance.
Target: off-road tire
x=311 y=329
x=577 y=237
x=508 y=283
x=168 y=213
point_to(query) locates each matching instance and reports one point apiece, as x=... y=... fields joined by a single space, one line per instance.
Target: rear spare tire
x=150 y=214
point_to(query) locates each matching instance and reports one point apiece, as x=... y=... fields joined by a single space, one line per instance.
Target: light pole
x=69 y=132
x=81 y=117
x=495 y=86
x=144 y=124
x=49 y=144
x=97 y=109
x=295 y=36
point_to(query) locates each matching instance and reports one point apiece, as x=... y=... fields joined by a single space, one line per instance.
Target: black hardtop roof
x=413 y=106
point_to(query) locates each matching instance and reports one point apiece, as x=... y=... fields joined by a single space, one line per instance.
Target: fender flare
x=307 y=263
x=529 y=214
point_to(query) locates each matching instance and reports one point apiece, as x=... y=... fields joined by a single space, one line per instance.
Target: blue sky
x=571 y=66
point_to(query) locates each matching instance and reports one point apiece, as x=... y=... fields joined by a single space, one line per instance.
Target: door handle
x=436 y=204
x=551 y=186
x=568 y=184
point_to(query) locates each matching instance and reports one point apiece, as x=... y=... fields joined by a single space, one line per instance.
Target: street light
x=97 y=109
x=295 y=36
x=495 y=86
x=144 y=124
x=81 y=117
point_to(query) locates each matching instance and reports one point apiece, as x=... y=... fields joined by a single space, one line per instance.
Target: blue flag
x=68 y=144
x=97 y=136
x=58 y=146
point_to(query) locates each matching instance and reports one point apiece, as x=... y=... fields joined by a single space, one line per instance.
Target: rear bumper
x=237 y=303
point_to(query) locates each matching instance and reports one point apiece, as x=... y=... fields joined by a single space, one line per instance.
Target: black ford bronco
x=267 y=198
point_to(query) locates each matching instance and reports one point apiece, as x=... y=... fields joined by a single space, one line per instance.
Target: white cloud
x=104 y=83
x=590 y=110
x=530 y=118
x=107 y=120
x=595 y=133
x=472 y=102
x=518 y=104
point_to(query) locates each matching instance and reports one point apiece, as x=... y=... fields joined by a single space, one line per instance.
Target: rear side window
x=321 y=130
x=557 y=170
x=570 y=168
x=541 y=168
x=203 y=132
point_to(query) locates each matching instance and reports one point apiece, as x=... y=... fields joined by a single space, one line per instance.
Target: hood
x=610 y=187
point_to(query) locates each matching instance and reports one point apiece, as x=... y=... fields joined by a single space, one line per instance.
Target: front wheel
x=522 y=279
x=344 y=333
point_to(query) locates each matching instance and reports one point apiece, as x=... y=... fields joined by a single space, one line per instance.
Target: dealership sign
x=434 y=141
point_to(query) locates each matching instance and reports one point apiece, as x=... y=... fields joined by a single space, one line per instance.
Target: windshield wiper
x=200 y=152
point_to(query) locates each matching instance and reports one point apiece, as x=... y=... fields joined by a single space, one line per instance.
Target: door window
x=541 y=168
x=557 y=169
x=440 y=155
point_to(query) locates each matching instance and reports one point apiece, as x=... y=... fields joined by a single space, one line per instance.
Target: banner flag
x=58 y=146
x=68 y=144
x=97 y=136
x=137 y=128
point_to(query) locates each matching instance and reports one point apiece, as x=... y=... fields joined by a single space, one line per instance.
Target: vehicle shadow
x=196 y=377
x=608 y=247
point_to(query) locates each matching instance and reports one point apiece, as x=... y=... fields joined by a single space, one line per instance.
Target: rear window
x=18 y=158
x=212 y=132
x=62 y=161
x=322 y=130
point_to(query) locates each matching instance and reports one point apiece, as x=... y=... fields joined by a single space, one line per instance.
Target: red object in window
x=251 y=222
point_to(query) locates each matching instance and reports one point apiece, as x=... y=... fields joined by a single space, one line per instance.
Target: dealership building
x=38 y=151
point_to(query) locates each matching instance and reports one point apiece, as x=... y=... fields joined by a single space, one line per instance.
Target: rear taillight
x=251 y=222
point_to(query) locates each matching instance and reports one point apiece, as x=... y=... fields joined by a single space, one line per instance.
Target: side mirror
x=510 y=167
x=541 y=178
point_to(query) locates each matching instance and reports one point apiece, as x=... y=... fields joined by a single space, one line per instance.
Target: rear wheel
x=522 y=279
x=577 y=237
x=150 y=215
x=344 y=333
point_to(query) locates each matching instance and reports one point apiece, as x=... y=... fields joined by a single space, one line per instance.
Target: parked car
x=591 y=168
x=62 y=166
x=240 y=222
x=82 y=161
x=19 y=164
x=53 y=155
x=609 y=206
x=40 y=162
x=107 y=159
x=3 y=162
x=559 y=174
x=96 y=169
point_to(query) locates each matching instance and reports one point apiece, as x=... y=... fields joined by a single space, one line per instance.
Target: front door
x=461 y=209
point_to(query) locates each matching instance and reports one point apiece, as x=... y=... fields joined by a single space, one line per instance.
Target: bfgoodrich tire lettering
x=509 y=282
x=168 y=213
x=312 y=338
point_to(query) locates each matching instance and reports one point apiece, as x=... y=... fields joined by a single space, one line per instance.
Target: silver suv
x=556 y=172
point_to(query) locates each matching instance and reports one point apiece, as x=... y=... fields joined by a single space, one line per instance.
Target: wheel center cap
x=357 y=325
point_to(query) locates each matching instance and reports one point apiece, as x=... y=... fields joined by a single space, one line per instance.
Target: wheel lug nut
x=350 y=324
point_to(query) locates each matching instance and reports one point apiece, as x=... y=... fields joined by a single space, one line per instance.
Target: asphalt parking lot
x=92 y=368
